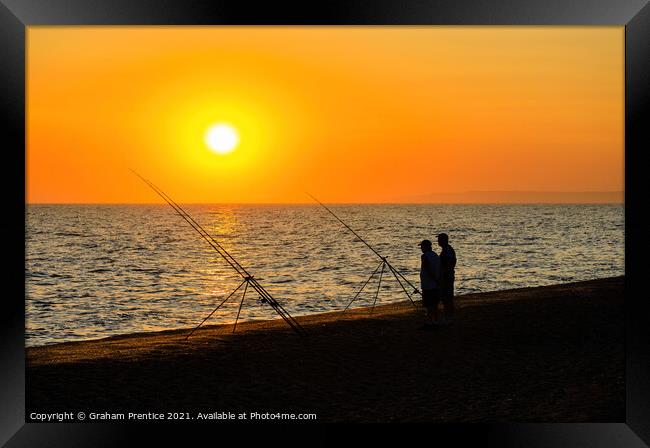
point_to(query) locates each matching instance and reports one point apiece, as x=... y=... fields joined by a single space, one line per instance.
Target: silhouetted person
x=447 y=274
x=429 y=278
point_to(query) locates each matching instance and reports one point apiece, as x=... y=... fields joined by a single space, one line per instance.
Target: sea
x=93 y=271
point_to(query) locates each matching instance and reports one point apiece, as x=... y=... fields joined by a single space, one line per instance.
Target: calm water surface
x=96 y=271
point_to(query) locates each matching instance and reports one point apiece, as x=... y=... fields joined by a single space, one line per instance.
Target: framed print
x=235 y=214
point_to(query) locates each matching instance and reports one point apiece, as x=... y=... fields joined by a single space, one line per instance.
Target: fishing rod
x=249 y=280
x=383 y=265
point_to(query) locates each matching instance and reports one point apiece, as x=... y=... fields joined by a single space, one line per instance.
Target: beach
x=543 y=354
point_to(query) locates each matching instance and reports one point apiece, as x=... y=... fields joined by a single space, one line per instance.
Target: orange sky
x=350 y=114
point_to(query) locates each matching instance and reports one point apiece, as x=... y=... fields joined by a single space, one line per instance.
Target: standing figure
x=429 y=279
x=447 y=274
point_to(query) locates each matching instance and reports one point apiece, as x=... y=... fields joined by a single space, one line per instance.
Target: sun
x=221 y=138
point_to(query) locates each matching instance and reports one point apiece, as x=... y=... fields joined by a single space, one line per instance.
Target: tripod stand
x=245 y=284
x=383 y=265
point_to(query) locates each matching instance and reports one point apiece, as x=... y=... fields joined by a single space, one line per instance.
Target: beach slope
x=545 y=354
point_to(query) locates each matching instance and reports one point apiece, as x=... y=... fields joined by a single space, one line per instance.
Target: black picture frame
x=16 y=15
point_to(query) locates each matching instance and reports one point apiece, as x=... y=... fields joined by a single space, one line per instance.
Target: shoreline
x=549 y=353
x=471 y=299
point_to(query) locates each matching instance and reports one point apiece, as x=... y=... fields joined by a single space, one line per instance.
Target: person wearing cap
x=447 y=274
x=429 y=278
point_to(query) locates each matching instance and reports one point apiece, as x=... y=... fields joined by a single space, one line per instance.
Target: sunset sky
x=350 y=114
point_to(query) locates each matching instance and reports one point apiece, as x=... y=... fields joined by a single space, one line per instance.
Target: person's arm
x=437 y=270
x=429 y=268
x=448 y=262
x=444 y=264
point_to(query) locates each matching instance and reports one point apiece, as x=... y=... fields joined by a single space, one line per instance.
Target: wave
x=76 y=234
x=38 y=274
x=288 y=280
